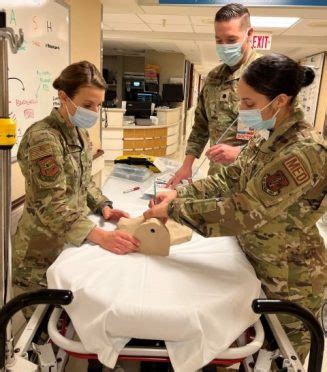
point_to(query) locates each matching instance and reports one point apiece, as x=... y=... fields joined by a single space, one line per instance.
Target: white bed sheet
x=198 y=300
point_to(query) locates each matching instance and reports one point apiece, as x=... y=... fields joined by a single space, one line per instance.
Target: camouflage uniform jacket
x=217 y=108
x=56 y=162
x=271 y=199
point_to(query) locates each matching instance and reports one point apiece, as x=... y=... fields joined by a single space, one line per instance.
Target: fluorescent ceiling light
x=280 y=22
x=22 y=3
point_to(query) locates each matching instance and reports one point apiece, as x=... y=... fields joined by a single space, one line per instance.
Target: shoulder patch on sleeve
x=273 y=183
x=296 y=169
x=40 y=151
x=48 y=166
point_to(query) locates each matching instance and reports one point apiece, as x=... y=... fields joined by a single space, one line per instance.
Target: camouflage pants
x=295 y=329
x=31 y=258
x=29 y=310
x=291 y=266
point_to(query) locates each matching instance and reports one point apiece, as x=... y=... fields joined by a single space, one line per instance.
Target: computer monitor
x=172 y=93
x=144 y=97
x=136 y=84
x=138 y=109
x=149 y=97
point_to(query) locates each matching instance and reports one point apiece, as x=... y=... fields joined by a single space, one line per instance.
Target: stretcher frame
x=241 y=354
x=75 y=348
x=47 y=360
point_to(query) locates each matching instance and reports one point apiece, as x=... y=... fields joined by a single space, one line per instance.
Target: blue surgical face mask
x=83 y=118
x=231 y=54
x=253 y=118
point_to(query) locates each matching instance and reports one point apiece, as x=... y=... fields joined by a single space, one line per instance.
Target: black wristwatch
x=107 y=203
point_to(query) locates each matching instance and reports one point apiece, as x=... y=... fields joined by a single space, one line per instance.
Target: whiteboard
x=309 y=95
x=43 y=55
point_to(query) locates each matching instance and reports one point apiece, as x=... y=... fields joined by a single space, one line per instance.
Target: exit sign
x=262 y=41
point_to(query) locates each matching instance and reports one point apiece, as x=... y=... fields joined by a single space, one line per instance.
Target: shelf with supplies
x=156 y=140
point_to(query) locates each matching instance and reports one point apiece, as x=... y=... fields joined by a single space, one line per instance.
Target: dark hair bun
x=57 y=83
x=308 y=76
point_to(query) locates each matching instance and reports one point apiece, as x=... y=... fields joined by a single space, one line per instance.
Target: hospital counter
x=158 y=140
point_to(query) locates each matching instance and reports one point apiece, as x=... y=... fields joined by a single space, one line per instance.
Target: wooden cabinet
x=145 y=141
x=159 y=140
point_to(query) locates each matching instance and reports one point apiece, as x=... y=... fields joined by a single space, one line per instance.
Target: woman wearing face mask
x=272 y=196
x=55 y=158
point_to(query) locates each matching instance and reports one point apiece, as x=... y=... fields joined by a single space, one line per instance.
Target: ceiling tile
x=312 y=27
x=209 y=29
x=162 y=46
x=121 y=18
x=165 y=19
x=192 y=27
x=202 y=21
x=129 y=27
x=171 y=28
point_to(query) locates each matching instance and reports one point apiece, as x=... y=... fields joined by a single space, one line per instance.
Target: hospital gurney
x=192 y=299
x=17 y=363
x=225 y=357
x=205 y=254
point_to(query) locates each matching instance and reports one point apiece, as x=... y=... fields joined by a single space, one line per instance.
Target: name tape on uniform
x=296 y=170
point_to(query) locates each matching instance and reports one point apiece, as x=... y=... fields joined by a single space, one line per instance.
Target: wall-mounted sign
x=262 y=41
x=269 y=3
x=309 y=95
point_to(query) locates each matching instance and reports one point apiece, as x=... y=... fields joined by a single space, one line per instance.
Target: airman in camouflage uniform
x=218 y=103
x=271 y=199
x=56 y=162
x=217 y=108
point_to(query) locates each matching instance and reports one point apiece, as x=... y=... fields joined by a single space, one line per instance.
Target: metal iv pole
x=7 y=141
x=8 y=306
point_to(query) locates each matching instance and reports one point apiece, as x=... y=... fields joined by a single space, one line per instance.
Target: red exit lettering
x=261 y=41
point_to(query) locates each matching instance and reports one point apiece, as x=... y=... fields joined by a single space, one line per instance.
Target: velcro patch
x=39 y=151
x=48 y=166
x=272 y=183
x=296 y=169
